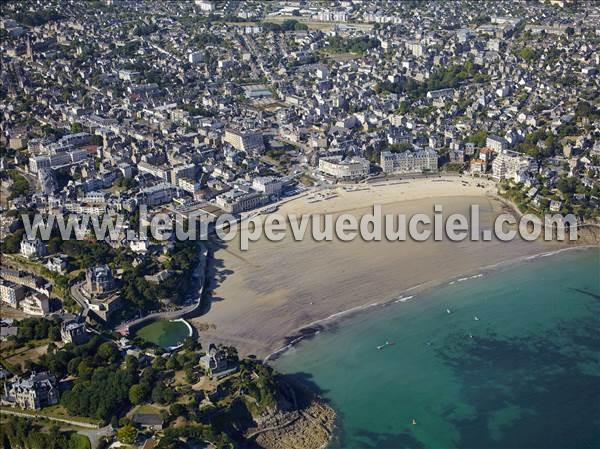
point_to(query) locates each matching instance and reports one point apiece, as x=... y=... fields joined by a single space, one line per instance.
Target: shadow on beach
x=215 y=275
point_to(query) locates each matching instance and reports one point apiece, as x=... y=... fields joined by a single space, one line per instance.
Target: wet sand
x=264 y=296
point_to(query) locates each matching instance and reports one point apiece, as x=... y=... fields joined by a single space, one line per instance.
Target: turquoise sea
x=525 y=374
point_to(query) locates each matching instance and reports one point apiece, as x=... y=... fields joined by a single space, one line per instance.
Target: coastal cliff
x=588 y=235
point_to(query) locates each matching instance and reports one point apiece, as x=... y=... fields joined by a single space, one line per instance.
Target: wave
x=463 y=279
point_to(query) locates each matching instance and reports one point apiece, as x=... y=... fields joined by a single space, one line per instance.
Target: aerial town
x=213 y=107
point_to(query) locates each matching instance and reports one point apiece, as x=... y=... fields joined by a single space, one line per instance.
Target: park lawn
x=148 y=408
x=79 y=441
x=54 y=411
x=341 y=56
x=58 y=411
x=25 y=353
x=240 y=24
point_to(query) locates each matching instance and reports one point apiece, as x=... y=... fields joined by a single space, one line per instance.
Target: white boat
x=476 y=318
x=387 y=343
x=448 y=311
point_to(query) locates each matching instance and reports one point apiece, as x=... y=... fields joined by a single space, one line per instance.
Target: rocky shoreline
x=307 y=424
x=309 y=428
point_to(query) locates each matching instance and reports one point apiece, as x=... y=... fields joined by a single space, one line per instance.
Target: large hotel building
x=409 y=161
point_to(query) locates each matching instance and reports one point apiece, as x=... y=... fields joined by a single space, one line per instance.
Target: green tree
x=76 y=127
x=127 y=434
x=137 y=394
x=108 y=352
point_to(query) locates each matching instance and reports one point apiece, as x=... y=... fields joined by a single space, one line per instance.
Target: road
x=80 y=299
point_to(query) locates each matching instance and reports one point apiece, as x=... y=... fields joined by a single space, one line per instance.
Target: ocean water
x=524 y=374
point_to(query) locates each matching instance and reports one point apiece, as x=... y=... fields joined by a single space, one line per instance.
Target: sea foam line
x=463 y=279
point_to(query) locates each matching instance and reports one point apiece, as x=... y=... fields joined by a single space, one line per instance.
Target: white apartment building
x=56 y=160
x=36 y=305
x=267 y=185
x=509 y=163
x=326 y=15
x=206 y=5
x=76 y=139
x=344 y=168
x=409 y=161
x=36 y=163
x=157 y=194
x=10 y=293
x=96 y=197
x=244 y=140
x=189 y=185
x=85 y=208
x=236 y=201
x=496 y=143
x=160 y=172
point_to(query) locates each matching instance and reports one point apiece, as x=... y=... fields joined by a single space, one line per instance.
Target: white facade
x=56 y=264
x=11 y=294
x=59 y=159
x=189 y=185
x=236 y=201
x=157 y=194
x=163 y=173
x=496 y=143
x=206 y=5
x=244 y=140
x=509 y=163
x=37 y=305
x=409 y=161
x=344 y=168
x=267 y=185
x=332 y=16
x=33 y=248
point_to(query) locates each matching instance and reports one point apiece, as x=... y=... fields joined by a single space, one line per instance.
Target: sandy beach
x=265 y=295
